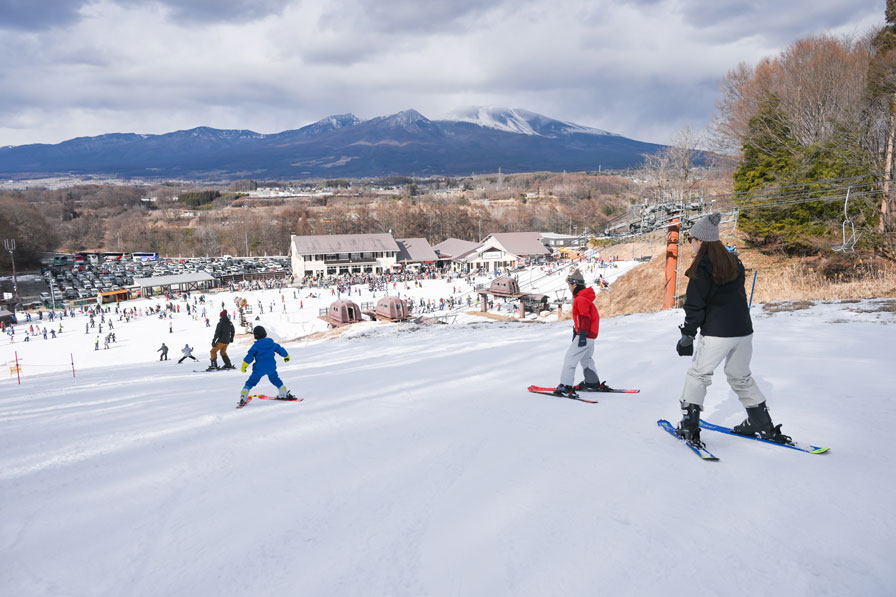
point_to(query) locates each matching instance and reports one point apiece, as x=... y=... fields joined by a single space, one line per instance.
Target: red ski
x=550 y=392
x=263 y=397
x=291 y=398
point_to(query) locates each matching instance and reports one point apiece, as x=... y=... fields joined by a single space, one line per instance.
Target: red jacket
x=584 y=313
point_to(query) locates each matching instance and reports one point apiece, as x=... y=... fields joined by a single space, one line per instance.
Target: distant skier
x=164 y=350
x=188 y=354
x=716 y=304
x=262 y=352
x=586 y=321
x=224 y=334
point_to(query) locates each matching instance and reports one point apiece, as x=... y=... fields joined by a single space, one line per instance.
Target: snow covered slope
x=419 y=465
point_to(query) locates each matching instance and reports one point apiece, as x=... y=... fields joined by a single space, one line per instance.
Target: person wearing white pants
x=577 y=354
x=711 y=351
x=716 y=305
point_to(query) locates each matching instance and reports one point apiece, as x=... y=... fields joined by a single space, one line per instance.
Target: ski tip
x=819 y=451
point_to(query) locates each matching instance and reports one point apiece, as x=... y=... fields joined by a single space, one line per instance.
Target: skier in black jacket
x=716 y=304
x=224 y=334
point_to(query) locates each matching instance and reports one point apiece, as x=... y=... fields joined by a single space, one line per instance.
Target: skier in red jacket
x=586 y=321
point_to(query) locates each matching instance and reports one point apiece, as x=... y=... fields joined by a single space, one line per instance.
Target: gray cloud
x=210 y=11
x=409 y=16
x=30 y=15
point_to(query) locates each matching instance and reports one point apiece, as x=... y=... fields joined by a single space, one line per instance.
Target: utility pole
x=10 y=245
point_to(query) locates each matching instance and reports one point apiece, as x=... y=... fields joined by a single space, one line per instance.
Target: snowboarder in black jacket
x=224 y=334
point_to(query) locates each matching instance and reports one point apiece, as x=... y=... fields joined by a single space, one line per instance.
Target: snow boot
x=213 y=366
x=285 y=394
x=227 y=363
x=689 y=427
x=244 y=398
x=565 y=390
x=759 y=424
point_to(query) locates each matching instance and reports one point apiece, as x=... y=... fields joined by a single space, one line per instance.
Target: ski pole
x=756 y=273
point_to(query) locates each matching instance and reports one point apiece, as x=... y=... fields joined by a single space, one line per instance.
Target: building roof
x=343 y=243
x=416 y=250
x=171 y=280
x=520 y=244
x=454 y=248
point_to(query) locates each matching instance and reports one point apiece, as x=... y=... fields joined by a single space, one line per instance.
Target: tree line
x=822 y=110
x=220 y=221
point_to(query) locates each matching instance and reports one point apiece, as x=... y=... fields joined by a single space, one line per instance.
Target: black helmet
x=259 y=332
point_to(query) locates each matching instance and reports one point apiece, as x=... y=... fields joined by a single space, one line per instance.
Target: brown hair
x=724 y=264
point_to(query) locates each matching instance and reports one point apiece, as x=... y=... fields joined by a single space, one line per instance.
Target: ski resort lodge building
x=332 y=255
x=415 y=253
x=503 y=250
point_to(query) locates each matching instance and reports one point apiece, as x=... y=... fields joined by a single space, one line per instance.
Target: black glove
x=685 y=346
x=583 y=338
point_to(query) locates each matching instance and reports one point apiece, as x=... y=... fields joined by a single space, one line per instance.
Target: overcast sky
x=640 y=68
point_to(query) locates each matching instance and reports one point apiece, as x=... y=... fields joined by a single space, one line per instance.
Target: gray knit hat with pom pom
x=707 y=229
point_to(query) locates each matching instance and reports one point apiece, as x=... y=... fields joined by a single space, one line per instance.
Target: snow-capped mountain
x=517 y=120
x=329 y=124
x=406 y=143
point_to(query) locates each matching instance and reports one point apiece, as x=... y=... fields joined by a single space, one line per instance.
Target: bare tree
x=671 y=170
x=819 y=81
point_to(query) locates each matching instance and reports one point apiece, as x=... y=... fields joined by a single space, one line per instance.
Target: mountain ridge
x=474 y=139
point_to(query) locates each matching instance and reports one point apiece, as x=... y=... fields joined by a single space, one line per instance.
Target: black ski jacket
x=224 y=332
x=716 y=310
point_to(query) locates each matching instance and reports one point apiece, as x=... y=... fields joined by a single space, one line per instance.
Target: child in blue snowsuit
x=262 y=352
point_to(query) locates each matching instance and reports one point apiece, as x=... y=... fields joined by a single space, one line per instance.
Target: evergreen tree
x=772 y=157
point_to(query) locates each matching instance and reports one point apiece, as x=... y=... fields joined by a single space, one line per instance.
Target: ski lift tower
x=673 y=242
x=10 y=245
x=669 y=212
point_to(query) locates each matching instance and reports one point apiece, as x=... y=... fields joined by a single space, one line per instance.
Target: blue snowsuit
x=262 y=352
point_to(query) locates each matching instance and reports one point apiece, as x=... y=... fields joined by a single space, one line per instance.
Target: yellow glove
x=286 y=359
x=244 y=366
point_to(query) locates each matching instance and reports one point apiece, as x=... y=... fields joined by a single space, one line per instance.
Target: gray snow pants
x=736 y=352
x=576 y=354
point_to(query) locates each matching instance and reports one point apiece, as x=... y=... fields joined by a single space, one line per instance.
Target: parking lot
x=82 y=279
